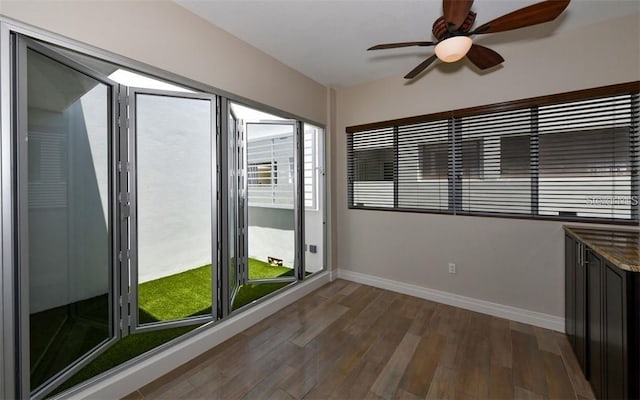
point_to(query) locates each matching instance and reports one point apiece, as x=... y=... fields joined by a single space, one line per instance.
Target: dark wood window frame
x=456 y=153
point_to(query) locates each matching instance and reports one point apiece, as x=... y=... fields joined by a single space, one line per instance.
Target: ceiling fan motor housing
x=441 y=31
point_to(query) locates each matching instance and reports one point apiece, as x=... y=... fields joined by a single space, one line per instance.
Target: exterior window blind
x=270 y=174
x=310 y=170
x=587 y=153
x=501 y=179
x=563 y=157
x=371 y=168
x=423 y=160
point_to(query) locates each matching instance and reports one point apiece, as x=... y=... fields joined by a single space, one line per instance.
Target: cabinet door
x=595 y=342
x=580 y=346
x=615 y=343
x=570 y=288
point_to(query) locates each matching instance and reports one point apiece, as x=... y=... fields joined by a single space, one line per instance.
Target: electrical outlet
x=452 y=268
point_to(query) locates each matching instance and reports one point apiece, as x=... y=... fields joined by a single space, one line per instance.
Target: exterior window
x=571 y=160
x=586 y=153
x=371 y=169
x=514 y=156
x=473 y=158
x=265 y=173
x=374 y=164
x=434 y=162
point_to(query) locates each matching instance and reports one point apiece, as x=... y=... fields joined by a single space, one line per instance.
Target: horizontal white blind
x=270 y=172
x=576 y=160
x=310 y=171
x=371 y=168
x=587 y=152
x=496 y=160
x=423 y=166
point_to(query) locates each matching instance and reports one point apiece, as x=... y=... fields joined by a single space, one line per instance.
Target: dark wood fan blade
x=402 y=44
x=414 y=72
x=532 y=15
x=455 y=12
x=483 y=57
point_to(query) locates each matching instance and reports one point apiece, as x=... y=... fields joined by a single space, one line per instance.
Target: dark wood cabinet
x=570 y=289
x=602 y=306
x=575 y=302
x=595 y=318
x=615 y=341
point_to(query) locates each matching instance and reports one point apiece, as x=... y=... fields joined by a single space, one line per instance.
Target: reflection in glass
x=69 y=215
x=174 y=194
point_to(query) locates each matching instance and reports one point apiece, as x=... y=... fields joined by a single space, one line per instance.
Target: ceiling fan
x=453 y=32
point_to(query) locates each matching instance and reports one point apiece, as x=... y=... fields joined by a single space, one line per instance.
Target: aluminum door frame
x=20 y=133
x=298 y=208
x=133 y=322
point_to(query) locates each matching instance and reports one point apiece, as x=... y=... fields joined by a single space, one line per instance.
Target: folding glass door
x=174 y=208
x=233 y=154
x=267 y=238
x=66 y=147
x=116 y=193
x=118 y=226
x=270 y=197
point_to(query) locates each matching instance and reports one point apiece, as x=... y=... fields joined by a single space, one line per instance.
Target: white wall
x=518 y=263
x=174 y=190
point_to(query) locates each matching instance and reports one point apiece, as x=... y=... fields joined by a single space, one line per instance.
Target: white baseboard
x=333 y=275
x=498 y=310
x=125 y=381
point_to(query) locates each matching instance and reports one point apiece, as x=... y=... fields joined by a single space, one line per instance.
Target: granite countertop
x=619 y=247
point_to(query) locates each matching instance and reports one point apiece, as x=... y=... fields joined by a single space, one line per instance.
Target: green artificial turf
x=189 y=293
x=260 y=270
x=125 y=349
x=251 y=292
x=60 y=336
x=177 y=296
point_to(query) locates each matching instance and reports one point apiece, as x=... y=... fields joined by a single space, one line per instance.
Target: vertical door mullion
x=8 y=319
x=124 y=212
x=243 y=183
x=224 y=187
x=236 y=206
x=214 y=136
x=130 y=287
x=22 y=205
x=298 y=200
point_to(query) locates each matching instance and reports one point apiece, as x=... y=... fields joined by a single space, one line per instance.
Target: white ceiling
x=326 y=39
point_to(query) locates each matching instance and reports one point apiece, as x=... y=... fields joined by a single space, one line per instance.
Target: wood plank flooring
x=351 y=341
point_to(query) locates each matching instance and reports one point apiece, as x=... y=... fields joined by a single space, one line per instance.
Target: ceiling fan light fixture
x=453 y=49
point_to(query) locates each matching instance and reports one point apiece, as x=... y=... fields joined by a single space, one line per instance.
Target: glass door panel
x=174 y=206
x=270 y=201
x=232 y=209
x=66 y=211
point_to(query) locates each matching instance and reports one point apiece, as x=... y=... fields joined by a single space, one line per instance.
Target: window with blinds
x=370 y=168
x=568 y=157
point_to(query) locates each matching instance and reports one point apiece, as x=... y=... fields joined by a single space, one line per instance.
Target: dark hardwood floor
x=351 y=341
